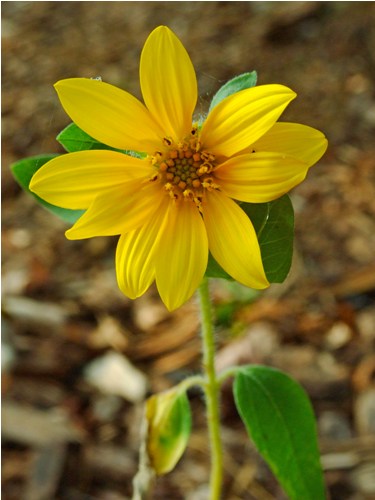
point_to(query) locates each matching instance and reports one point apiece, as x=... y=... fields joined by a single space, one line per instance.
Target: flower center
x=185 y=170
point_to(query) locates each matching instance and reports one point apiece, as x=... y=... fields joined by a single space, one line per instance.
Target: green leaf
x=280 y=421
x=240 y=82
x=73 y=139
x=214 y=270
x=168 y=429
x=23 y=170
x=274 y=225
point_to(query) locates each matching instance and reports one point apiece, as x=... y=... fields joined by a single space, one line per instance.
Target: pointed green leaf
x=240 y=82
x=280 y=421
x=23 y=170
x=274 y=225
x=72 y=138
x=169 y=424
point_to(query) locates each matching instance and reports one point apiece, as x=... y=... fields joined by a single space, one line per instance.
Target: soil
x=71 y=429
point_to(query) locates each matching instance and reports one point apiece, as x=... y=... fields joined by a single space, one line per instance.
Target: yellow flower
x=178 y=203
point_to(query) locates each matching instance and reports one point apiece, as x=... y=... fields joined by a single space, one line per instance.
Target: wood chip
x=31 y=427
x=45 y=473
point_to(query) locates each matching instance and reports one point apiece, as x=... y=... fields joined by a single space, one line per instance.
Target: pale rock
x=339 y=335
x=112 y=373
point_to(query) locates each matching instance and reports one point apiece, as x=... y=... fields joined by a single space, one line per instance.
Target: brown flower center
x=185 y=170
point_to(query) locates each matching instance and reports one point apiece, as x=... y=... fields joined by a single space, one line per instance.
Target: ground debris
x=37 y=428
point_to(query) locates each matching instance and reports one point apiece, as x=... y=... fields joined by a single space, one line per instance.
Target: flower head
x=180 y=201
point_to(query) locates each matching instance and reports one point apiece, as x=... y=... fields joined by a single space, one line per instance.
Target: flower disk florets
x=184 y=169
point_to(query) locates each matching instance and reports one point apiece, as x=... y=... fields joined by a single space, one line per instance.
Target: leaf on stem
x=280 y=421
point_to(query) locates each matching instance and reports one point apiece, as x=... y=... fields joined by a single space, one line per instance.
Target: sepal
x=236 y=84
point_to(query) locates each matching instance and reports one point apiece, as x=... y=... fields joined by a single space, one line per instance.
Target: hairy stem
x=211 y=389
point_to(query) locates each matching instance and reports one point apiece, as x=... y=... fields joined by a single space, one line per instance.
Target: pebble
x=113 y=374
x=339 y=335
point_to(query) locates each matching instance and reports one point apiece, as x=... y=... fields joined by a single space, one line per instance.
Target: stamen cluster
x=185 y=169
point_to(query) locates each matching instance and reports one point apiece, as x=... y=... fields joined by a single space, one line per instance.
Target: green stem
x=196 y=380
x=230 y=372
x=212 y=389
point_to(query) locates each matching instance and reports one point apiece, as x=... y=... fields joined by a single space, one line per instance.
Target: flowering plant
x=191 y=197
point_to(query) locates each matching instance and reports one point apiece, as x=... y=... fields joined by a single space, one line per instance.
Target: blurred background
x=79 y=358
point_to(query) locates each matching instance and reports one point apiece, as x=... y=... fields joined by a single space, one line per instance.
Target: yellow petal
x=181 y=259
x=109 y=114
x=260 y=177
x=240 y=119
x=118 y=210
x=292 y=139
x=233 y=241
x=168 y=82
x=73 y=180
x=135 y=267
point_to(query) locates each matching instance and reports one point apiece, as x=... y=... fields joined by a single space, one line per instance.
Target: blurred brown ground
x=61 y=307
